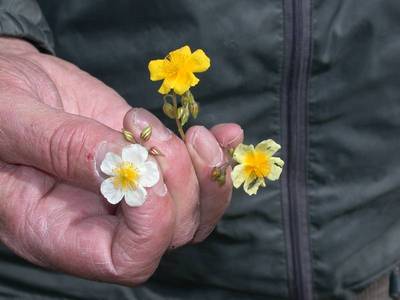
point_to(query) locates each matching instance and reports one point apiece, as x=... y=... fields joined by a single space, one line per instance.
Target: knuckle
x=11 y=77
x=134 y=266
x=19 y=74
x=186 y=237
x=66 y=145
x=154 y=226
x=203 y=233
x=137 y=250
x=186 y=232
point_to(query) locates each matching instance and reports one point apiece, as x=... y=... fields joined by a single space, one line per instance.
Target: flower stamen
x=126 y=176
x=257 y=163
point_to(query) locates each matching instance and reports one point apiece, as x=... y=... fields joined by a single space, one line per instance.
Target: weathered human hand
x=56 y=124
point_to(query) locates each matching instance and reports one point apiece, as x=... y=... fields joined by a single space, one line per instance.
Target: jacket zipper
x=297 y=27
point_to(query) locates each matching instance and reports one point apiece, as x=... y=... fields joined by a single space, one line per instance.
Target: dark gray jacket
x=320 y=77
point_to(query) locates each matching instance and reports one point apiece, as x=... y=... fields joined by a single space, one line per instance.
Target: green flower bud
x=194 y=109
x=185 y=116
x=169 y=110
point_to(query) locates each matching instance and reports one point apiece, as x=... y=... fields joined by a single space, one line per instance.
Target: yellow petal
x=179 y=56
x=164 y=88
x=167 y=85
x=157 y=69
x=199 y=61
x=268 y=146
x=240 y=151
x=182 y=83
x=252 y=184
x=276 y=168
x=193 y=80
x=238 y=176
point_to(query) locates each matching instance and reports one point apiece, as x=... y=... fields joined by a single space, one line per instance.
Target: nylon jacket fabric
x=352 y=129
x=24 y=19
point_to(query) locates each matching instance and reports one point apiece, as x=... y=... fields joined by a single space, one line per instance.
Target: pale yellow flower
x=255 y=164
x=177 y=70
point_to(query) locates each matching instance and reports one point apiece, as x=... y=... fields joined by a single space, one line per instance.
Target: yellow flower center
x=126 y=176
x=257 y=163
x=176 y=65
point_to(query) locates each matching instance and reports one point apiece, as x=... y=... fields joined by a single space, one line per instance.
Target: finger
x=64 y=227
x=145 y=233
x=228 y=135
x=206 y=154
x=101 y=102
x=176 y=165
x=64 y=145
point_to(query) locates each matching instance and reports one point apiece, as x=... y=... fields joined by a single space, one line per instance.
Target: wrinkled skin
x=53 y=119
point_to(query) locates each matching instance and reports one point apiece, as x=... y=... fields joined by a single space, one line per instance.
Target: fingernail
x=102 y=149
x=233 y=141
x=206 y=146
x=141 y=118
x=160 y=189
x=228 y=141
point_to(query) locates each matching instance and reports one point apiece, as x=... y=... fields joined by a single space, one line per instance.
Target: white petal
x=149 y=174
x=276 y=168
x=252 y=184
x=268 y=146
x=238 y=176
x=136 y=197
x=109 y=192
x=135 y=154
x=109 y=163
x=240 y=152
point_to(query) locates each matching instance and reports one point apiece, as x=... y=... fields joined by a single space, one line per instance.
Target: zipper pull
x=394 y=284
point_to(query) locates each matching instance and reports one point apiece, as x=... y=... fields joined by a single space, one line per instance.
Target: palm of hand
x=93 y=237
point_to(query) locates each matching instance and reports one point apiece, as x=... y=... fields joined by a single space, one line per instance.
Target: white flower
x=130 y=174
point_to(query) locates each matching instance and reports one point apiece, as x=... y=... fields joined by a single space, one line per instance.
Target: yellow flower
x=255 y=164
x=177 y=69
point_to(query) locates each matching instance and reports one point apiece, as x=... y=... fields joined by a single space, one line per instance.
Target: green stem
x=178 y=123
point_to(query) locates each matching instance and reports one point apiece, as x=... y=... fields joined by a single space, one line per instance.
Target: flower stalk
x=177 y=120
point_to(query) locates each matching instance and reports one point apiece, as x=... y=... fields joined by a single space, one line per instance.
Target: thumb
x=206 y=149
x=67 y=146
